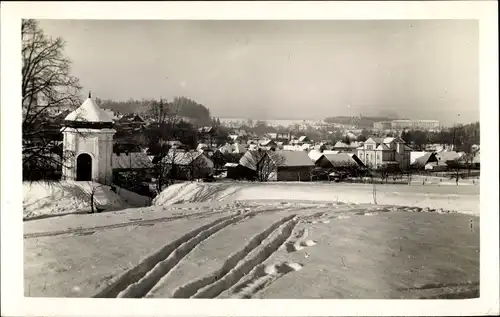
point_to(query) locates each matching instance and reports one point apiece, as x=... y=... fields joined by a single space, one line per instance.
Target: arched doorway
x=84 y=167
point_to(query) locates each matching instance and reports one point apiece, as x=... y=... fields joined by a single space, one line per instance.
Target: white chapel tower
x=88 y=144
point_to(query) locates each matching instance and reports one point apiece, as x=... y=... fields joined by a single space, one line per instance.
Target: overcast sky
x=283 y=69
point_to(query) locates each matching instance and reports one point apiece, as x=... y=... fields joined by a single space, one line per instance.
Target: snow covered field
x=246 y=240
x=464 y=199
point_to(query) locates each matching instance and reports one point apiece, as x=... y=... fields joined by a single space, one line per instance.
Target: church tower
x=88 y=144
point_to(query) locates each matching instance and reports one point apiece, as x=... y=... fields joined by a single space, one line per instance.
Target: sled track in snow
x=140 y=280
x=237 y=264
x=136 y=282
x=241 y=263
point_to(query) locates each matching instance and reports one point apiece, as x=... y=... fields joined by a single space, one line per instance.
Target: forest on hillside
x=183 y=106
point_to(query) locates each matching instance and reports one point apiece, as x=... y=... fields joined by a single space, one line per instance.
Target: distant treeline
x=461 y=136
x=363 y=122
x=186 y=107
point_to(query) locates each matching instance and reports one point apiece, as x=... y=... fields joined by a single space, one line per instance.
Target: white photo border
x=13 y=302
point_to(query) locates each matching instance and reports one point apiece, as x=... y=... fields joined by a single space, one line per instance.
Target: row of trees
x=461 y=136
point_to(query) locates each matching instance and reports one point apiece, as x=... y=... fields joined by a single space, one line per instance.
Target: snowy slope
x=464 y=199
x=194 y=192
x=67 y=197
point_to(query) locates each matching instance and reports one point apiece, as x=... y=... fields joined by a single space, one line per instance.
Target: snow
x=193 y=192
x=132 y=198
x=64 y=197
x=254 y=240
x=255 y=250
x=90 y=112
x=463 y=199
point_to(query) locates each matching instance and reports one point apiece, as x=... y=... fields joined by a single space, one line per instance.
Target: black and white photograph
x=251 y=158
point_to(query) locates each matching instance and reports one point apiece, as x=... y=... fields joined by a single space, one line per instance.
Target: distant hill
x=187 y=108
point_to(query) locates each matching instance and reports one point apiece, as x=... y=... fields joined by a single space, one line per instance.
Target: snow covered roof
x=330 y=152
x=314 y=155
x=201 y=146
x=340 y=158
x=375 y=140
x=448 y=155
x=292 y=158
x=250 y=160
x=422 y=160
x=89 y=112
x=267 y=142
x=230 y=164
x=414 y=155
x=181 y=158
x=131 y=160
x=383 y=147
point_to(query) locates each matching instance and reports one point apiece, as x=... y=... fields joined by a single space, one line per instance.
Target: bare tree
x=409 y=175
x=455 y=167
x=165 y=117
x=93 y=189
x=47 y=87
x=268 y=164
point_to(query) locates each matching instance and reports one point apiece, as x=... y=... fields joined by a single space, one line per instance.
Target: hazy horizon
x=421 y=69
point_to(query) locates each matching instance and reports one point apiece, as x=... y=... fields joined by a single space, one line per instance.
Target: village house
x=135 y=162
x=339 y=161
x=246 y=167
x=291 y=166
x=378 y=152
x=207 y=134
x=232 y=148
x=268 y=145
x=425 y=160
x=278 y=165
x=344 y=147
x=189 y=165
x=315 y=155
x=300 y=141
x=304 y=147
x=449 y=156
x=130 y=119
x=279 y=137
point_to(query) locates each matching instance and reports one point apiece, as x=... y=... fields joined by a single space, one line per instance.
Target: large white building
x=378 y=152
x=406 y=124
x=415 y=124
x=88 y=144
